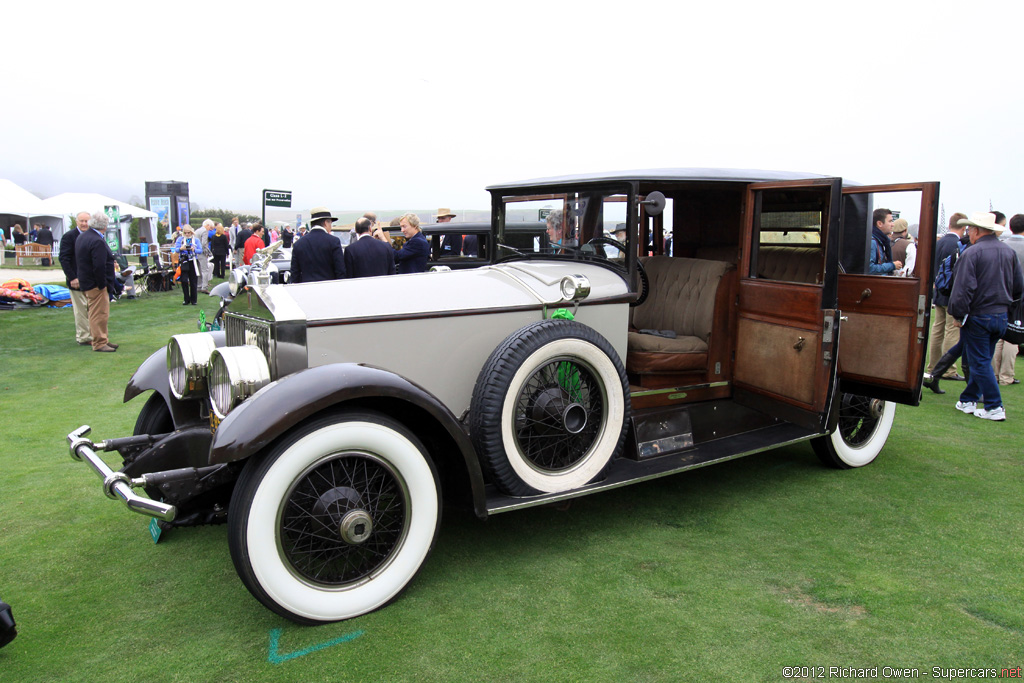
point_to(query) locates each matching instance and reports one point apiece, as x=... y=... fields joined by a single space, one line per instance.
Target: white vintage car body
x=327 y=421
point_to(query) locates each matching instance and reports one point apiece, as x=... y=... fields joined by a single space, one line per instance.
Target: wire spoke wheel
x=858 y=418
x=559 y=414
x=343 y=520
x=549 y=409
x=861 y=431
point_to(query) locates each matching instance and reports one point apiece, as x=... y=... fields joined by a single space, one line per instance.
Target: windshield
x=562 y=223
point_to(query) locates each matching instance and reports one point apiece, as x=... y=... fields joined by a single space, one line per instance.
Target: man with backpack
x=944 y=332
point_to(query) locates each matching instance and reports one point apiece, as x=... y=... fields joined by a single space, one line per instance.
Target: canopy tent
x=18 y=205
x=70 y=203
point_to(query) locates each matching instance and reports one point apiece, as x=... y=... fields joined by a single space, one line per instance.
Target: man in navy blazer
x=95 y=264
x=318 y=256
x=413 y=256
x=367 y=257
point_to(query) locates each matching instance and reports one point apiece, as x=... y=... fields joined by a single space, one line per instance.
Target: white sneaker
x=997 y=414
x=968 y=407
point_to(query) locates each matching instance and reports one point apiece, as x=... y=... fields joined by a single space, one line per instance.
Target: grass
x=726 y=573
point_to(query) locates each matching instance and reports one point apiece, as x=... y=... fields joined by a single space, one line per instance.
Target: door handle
x=799 y=346
x=864 y=295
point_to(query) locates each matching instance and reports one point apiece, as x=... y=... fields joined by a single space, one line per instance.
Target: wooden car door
x=785 y=361
x=883 y=328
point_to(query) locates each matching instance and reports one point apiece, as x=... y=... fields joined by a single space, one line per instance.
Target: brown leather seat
x=683 y=298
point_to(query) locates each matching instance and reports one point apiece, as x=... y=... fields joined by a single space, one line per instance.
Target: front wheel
x=863 y=428
x=336 y=519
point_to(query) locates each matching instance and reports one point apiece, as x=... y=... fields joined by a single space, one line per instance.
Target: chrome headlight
x=236 y=283
x=575 y=287
x=188 y=356
x=236 y=373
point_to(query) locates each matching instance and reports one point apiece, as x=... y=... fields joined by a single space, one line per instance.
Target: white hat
x=984 y=220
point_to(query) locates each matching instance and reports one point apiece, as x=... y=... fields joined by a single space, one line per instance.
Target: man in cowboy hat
x=318 y=256
x=451 y=243
x=988 y=279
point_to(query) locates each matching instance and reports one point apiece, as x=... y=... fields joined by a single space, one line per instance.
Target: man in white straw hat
x=988 y=278
x=451 y=243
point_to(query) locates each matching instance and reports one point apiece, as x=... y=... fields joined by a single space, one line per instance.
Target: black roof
x=664 y=174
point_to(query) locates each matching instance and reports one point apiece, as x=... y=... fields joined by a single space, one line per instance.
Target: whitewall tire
x=336 y=519
x=863 y=428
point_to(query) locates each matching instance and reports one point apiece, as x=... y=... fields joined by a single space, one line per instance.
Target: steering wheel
x=645 y=283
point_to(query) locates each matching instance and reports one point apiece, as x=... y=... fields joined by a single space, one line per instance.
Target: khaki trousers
x=1003 y=360
x=99 y=313
x=80 y=305
x=943 y=336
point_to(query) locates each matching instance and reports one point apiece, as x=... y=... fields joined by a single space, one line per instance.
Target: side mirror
x=654 y=205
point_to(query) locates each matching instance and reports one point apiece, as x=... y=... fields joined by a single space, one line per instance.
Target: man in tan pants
x=96 y=279
x=70 y=266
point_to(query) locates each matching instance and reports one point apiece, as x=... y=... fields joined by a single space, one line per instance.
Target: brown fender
x=281 y=405
x=152 y=374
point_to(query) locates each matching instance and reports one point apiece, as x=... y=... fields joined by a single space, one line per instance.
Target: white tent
x=70 y=203
x=18 y=205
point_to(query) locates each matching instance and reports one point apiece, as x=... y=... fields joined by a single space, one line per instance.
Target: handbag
x=1014 y=333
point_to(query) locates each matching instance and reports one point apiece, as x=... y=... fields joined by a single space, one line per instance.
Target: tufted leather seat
x=790 y=264
x=683 y=298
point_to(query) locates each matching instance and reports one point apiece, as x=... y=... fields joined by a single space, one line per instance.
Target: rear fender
x=281 y=405
x=152 y=375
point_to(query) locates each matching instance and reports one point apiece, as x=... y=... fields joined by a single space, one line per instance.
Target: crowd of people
x=970 y=309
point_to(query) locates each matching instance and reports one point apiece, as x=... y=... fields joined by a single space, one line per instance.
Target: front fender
x=152 y=375
x=280 y=405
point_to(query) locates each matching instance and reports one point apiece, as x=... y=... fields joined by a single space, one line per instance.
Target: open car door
x=883 y=329
x=785 y=359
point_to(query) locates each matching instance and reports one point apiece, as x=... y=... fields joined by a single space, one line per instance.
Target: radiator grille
x=248 y=332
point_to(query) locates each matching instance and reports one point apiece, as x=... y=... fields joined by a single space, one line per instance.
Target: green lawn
x=730 y=572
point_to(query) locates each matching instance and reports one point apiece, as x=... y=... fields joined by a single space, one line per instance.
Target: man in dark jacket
x=988 y=279
x=241 y=236
x=367 y=257
x=881 y=261
x=96 y=279
x=79 y=304
x=318 y=256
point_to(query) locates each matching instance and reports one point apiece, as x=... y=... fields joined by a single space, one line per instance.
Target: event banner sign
x=282 y=198
x=183 y=212
x=161 y=206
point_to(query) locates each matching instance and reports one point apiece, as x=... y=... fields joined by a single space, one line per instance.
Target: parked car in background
x=322 y=428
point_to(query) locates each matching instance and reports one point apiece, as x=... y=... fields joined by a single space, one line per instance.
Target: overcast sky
x=397 y=105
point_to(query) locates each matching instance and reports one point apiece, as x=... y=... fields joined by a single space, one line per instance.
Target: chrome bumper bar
x=116 y=485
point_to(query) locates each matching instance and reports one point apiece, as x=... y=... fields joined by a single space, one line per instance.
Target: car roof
x=738 y=175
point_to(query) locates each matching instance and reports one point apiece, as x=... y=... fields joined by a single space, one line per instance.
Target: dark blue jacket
x=95 y=262
x=988 y=279
x=880 y=262
x=316 y=257
x=369 y=257
x=943 y=248
x=66 y=255
x=412 y=257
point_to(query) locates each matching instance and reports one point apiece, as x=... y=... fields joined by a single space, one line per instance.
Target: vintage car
x=326 y=422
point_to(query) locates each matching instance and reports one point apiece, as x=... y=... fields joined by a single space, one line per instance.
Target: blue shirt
x=412 y=257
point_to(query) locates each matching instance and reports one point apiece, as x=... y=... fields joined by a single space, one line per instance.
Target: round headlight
x=237 y=281
x=188 y=356
x=575 y=287
x=236 y=373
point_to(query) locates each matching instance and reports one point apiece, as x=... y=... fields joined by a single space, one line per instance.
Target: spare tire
x=549 y=408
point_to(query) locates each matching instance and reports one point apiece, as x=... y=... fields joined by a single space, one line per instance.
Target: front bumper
x=117 y=485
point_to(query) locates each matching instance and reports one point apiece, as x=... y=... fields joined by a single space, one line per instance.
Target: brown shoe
x=112 y=344
x=107 y=348
x=88 y=343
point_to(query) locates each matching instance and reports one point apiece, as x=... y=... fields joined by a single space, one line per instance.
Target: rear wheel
x=863 y=428
x=336 y=519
